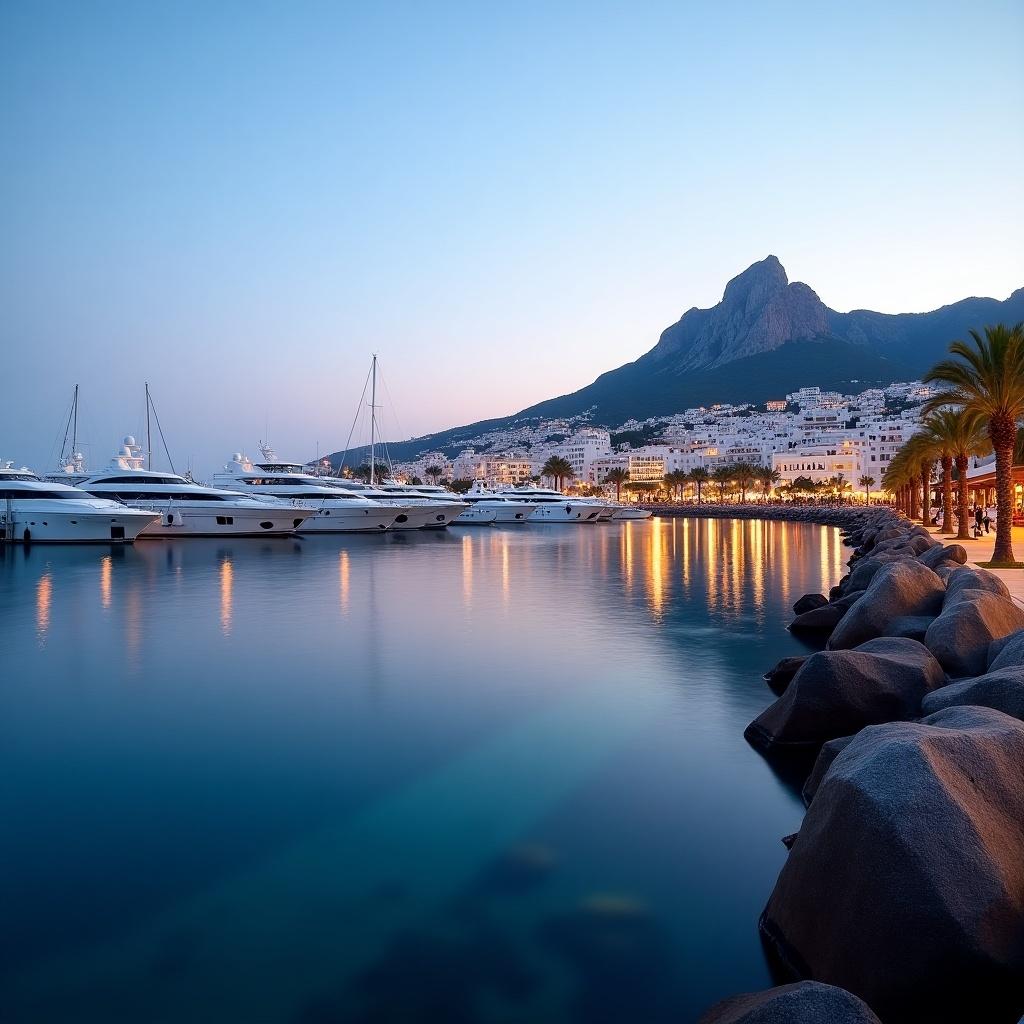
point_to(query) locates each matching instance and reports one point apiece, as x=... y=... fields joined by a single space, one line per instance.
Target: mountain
x=768 y=336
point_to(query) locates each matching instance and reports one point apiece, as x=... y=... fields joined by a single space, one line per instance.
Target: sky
x=240 y=202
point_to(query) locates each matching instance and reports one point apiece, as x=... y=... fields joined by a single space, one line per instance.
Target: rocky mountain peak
x=758 y=283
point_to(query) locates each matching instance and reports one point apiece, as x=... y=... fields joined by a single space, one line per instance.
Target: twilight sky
x=239 y=202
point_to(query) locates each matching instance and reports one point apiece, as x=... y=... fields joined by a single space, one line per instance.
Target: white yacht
x=335 y=510
x=629 y=512
x=444 y=506
x=410 y=515
x=555 y=507
x=507 y=509
x=34 y=510
x=186 y=509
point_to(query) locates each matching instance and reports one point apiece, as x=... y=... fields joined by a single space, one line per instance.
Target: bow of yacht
x=34 y=510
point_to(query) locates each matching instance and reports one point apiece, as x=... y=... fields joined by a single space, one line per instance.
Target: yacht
x=629 y=512
x=555 y=507
x=334 y=509
x=186 y=509
x=506 y=509
x=34 y=510
x=444 y=506
x=411 y=515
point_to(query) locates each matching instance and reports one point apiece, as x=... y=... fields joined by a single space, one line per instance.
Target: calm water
x=482 y=775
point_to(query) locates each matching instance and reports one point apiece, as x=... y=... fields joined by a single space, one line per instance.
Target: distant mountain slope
x=768 y=336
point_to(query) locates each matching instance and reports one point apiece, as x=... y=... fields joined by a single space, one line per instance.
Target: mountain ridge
x=766 y=337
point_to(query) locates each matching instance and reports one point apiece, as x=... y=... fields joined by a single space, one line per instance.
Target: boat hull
x=45 y=527
x=185 y=519
x=631 y=513
x=345 y=520
x=570 y=512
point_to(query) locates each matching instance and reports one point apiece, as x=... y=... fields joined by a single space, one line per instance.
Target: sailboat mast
x=373 y=424
x=74 y=431
x=149 y=440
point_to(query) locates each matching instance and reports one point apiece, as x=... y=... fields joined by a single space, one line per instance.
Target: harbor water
x=474 y=775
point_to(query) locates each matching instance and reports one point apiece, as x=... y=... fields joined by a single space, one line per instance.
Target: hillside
x=768 y=336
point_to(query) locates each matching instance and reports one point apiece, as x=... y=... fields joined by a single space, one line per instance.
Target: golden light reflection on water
x=44 y=598
x=729 y=564
x=106 y=569
x=343 y=581
x=227 y=582
x=467 y=570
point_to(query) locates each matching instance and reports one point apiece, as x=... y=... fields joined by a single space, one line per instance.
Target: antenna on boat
x=149 y=439
x=151 y=405
x=373 y=423
x=72 y=426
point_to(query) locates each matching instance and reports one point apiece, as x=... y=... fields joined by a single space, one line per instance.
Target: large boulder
x=818 y=620
x=897 y=590
x=1002 y=689
x=863 y=572
x=969 y=578
x=948 y=554
x=906 y=882
x=806 y=1002
x=809 y=602
x=836 y=693
x=970 y=621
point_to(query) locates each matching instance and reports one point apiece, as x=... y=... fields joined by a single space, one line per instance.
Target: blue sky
x=239 y=202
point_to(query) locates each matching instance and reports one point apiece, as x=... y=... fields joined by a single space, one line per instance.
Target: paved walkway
x=981 y=551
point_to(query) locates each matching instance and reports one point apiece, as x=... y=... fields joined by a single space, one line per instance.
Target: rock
x=1002 y=689
x=970 y=621
x=1006 y=651
x=809 y=602
x=806 y=1002
x=939 y=554
x=819 y=620
x=864 y=571
x=836 y=693
x=829 y=752
x=897 y=590
x=906 y=882
x=968 y=578
x=779 y=675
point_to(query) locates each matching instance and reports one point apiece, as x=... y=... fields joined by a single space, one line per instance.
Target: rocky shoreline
x=847 y=516
x=902 y=897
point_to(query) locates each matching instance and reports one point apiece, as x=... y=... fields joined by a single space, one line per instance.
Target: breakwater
x=902 y=897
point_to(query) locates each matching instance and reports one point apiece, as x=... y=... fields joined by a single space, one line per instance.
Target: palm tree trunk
x=947 y=493
x=926 y=493
x=963 y=531
x=1003 y=433
x=915 y=508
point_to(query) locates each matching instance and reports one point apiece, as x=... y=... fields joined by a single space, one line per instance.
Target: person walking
x=991 y=515
x=979 y=518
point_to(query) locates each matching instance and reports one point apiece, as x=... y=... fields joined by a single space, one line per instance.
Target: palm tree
x=434 y=473
x=744 y=474
x=841 y=484
x=988 y=379
x=767 y=478
x=618 y=476
x=699 y=477
x=867 y=482
x=721 y=478
x=960 y=435
x=558 y=468
x=676 y=481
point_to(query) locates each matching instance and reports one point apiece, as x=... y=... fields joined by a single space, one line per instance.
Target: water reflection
x=227 y=582
x=44 y=595
x=504 y=784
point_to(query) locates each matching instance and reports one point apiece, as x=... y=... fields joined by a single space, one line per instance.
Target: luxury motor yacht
x=506 y=509
x=630 y=512
x=188 y=509
x=555 y=507
x=410 y=515
x=34 y=510
x=336 y=510
x=444 y=506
